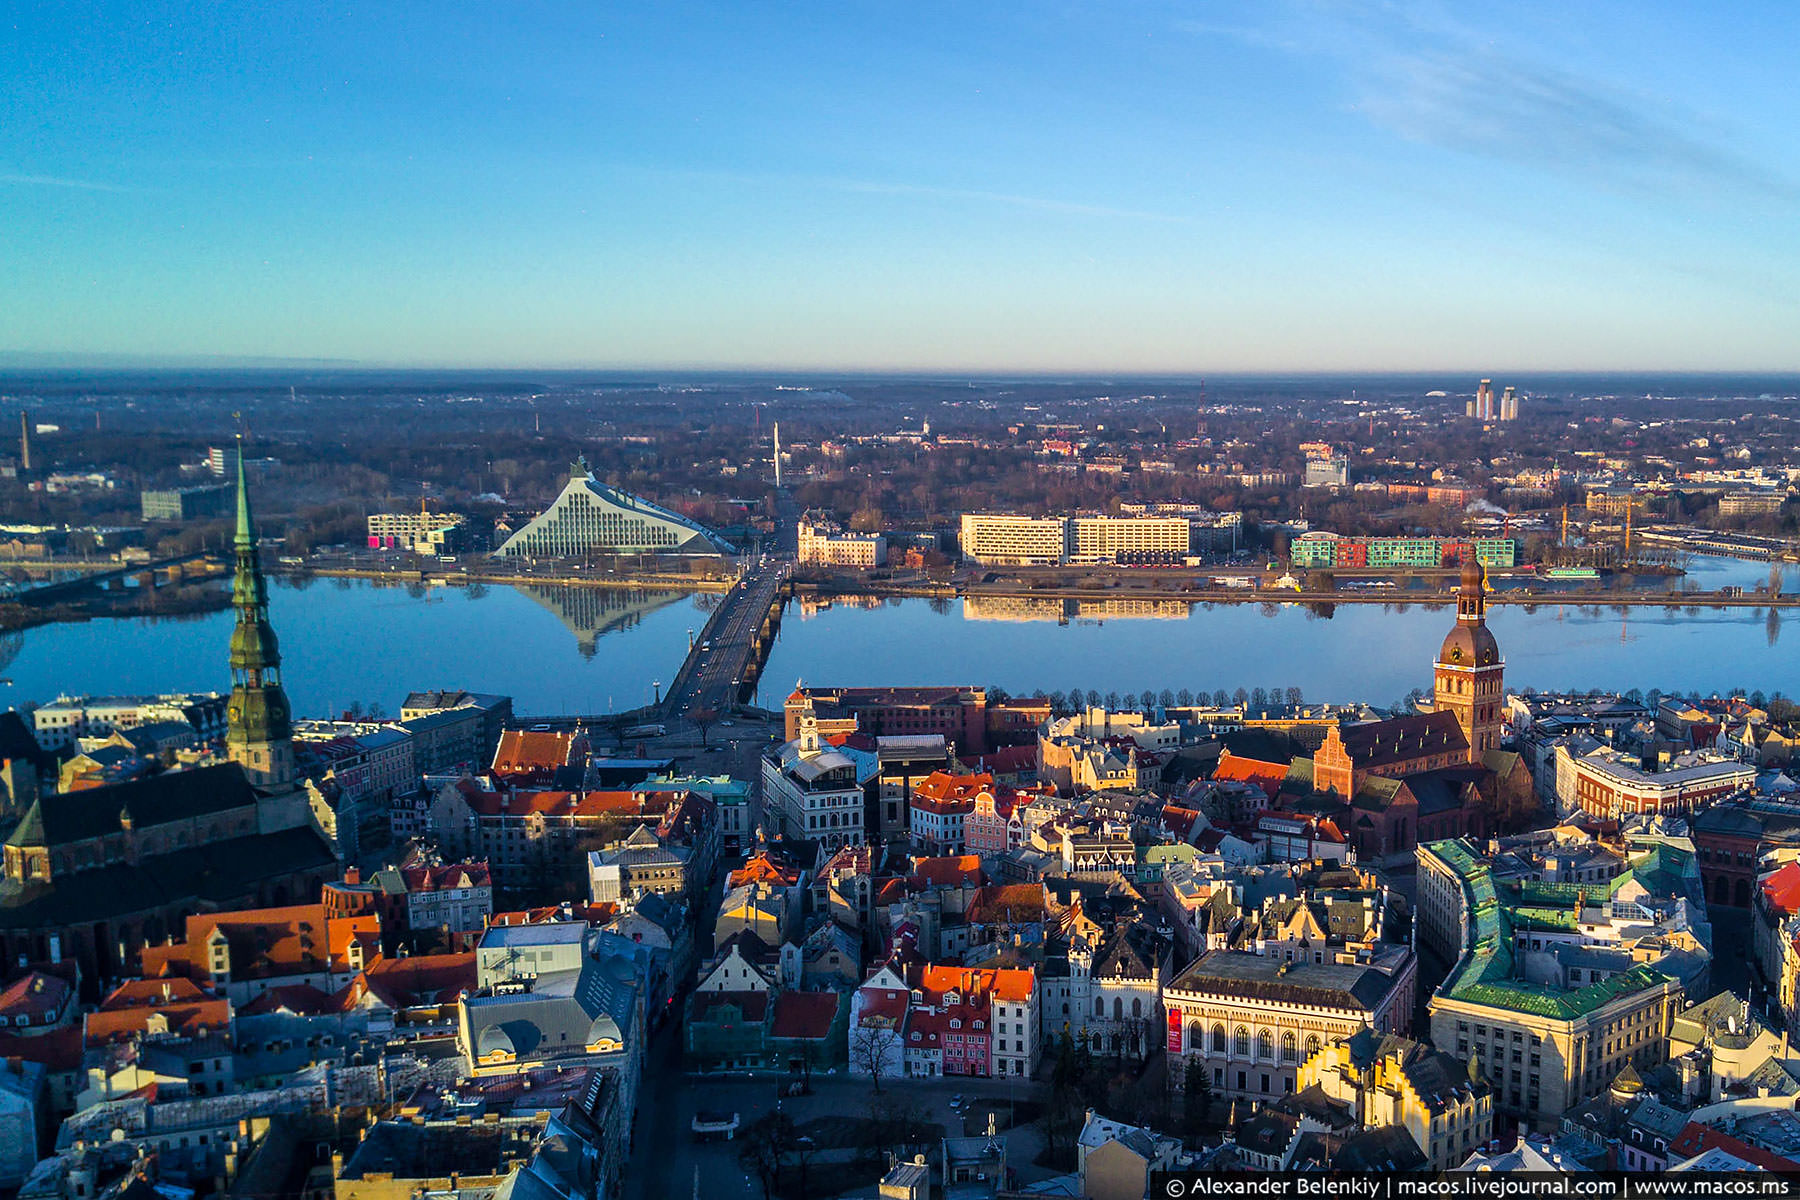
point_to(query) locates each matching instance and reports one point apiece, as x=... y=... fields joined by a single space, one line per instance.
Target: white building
x=811 y=790
x=824 y=541
x=590 y=517
x=61 y=723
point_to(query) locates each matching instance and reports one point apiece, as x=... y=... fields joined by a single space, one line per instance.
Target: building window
x=1218 y=1039
x=1240 y=1039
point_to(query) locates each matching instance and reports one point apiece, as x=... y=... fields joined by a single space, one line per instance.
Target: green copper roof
x=1486 y=975
x=258 y=709
x=246 y=531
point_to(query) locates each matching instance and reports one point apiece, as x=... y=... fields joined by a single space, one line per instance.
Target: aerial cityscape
x=601 y=604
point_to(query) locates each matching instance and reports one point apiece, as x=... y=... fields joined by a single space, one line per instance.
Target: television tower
x=778 y=454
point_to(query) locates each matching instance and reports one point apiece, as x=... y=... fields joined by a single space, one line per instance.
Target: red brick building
x=965 y=716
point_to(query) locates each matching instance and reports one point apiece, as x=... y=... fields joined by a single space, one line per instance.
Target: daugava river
x=591 y=650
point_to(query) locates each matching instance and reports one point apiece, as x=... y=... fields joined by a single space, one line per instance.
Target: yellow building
x=1394 y=1081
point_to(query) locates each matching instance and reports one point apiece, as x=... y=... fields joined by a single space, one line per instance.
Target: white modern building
x=811 y=790
x=589 y=517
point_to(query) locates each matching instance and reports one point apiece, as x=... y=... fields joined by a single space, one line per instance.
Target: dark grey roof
x=562 y=1013
x=1256 y=977
x=68 y=817
x=223 y=874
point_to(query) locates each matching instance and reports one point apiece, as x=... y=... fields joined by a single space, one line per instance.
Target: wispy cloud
x=16 y=179
x=1482 y=101
x=1424 y=73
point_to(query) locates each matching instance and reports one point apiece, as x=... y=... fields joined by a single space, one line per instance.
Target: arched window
x=1312 y=1045
x=1099 y=1006
x=1196 y=1036
x=1218 y=1041
x=1137 y=1006
x=1240 y=1039
x=1290 y=1048
x=1118 y=1009
x=1265 y=1045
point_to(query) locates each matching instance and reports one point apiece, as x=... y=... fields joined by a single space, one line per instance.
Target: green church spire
x=259 y=729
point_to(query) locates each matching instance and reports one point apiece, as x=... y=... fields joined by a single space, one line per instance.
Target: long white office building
x=1007 y=539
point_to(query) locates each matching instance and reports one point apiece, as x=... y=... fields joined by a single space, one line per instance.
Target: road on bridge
x=713 y=675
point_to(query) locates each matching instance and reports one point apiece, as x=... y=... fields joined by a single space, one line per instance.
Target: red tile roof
x=806 y=1015
x=1697 y=1139
x=446 y=878
x=942 y=792
x=764 y=867
x=885 y=1003
x=1181 y=821
x=129 y=1008
x=1266 y=775
x=526 y=751
x=1012 y=984
x=948 y=872
x=1783 y=888
x=269 y=942
x=33 y=995
x=421 y=980
x=1014 y=902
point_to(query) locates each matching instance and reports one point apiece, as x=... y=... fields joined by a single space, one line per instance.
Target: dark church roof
x=68 y=817
x=221 y=874
x=1375 y=744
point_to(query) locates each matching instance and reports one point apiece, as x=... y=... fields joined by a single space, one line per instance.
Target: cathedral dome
x=1469 y=646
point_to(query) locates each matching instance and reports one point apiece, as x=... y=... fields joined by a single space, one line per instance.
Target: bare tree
x=765 y=1145
x=870 y=1046
x=704 y=718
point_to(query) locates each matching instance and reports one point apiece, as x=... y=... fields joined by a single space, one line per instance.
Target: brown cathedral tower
x=1469 y=674
x=259 y=733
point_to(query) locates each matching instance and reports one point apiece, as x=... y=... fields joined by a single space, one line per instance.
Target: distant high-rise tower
x=1509 y=404
x=778 y=454
x=1484 y=400
x=259 y=728
x=1469 y=674
x=24 y=441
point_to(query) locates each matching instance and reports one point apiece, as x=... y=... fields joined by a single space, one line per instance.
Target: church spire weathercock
x=259 y=730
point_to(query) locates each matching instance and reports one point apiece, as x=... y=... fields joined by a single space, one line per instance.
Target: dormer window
x=955 y=1024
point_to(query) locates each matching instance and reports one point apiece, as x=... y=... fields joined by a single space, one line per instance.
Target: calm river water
x=590 y=650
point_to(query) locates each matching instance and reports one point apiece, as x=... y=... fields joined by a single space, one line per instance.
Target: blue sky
x=1007 y=186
